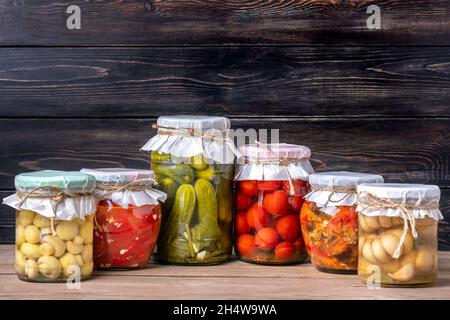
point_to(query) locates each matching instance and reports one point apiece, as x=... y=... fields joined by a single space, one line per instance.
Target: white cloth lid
x=272 y=153
x=117 y=177
x=327 y=201
x=194 y=122
x=185 y=146
x=407 y=194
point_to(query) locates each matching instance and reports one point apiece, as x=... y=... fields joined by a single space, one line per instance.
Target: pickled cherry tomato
x=257 y=217
x=246 y=244
x=266 y=239
x=241 y=223
x=300 y=186
x=248 y=187
x=268 y=186
x=285 y=250
x=288 y=227
x=299 y=244
x=242 y=201
x=295 y=203
x=276 y=203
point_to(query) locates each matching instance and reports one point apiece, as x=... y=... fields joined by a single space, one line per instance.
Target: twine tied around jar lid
x=136 y=185
x=284 y=162
x=332 y=189
x=405 y=211
x=56 y=194
x=212 y=134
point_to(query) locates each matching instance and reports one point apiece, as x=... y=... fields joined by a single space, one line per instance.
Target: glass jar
x=329 y=220
x=128 y=217
x=390 y=252
x=270 y=189
x=54 y=225
x=195 y=170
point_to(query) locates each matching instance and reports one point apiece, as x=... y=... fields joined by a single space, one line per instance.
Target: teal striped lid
x=68 y=181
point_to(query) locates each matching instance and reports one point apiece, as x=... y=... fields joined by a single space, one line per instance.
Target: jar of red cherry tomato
x=271 y=183
x=128 y=217
x=329 y=220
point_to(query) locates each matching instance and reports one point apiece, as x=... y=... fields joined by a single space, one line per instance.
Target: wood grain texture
x=408 y=150
x=234 y=280
x=403 y=150
x=243 y=82
x=191 y=22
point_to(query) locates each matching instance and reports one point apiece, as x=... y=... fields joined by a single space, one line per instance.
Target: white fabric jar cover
x=60 y=195
x=187 y=136
x=333 y=189
x=280 y=162
x=419 y=199
x=126 y=186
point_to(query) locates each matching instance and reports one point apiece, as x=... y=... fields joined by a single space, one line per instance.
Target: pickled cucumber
x=180 y=173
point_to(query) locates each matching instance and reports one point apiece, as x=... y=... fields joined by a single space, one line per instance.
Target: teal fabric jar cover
x=63 y=195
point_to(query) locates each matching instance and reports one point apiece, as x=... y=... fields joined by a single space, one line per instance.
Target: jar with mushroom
x=193 y=159
x=128 y=217
x=54 y=225
x=329 y=220
x=271 y=183
x=398 y=233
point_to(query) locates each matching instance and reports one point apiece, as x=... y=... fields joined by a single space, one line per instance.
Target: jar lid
x=406 y=193
x=274 y=151
x=392 y=199
x=67 y=181
x=342 y=179
x=121 y=176
x=330 y=190
x=186 y=136
x=126 y=186
x=194 y=122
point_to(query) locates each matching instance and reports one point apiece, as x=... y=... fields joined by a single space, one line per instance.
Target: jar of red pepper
x=271 y=183
x=329 y=220
x=128 y=217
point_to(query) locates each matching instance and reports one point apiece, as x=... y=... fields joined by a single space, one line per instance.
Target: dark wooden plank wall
x=363 y=100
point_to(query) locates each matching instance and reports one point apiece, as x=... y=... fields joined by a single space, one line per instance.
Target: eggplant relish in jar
x=193 y=159
x=271 y=183
x=329 y=220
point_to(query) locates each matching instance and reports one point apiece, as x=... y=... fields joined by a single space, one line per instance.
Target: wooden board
x=189 y=22
x=230 y=281
x=244 y=82
x=403 y=150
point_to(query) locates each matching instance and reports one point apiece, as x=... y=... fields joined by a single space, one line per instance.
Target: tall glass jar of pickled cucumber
x=193 y=159
x=330 y=222
x=54 y=225
x=271 y=183
x=398 y=239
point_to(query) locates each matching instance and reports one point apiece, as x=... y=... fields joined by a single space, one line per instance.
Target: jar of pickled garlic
x=271 y=183
x=193 y=159
x=398 y=239
x=54 y=225
x=329 y=220
x=128 y=217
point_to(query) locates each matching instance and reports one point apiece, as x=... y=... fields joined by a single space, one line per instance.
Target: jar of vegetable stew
x=329 y=220
x=193 y=158
x=398 y=239
x=54 y=225
x=270 y=187
x=128 y=217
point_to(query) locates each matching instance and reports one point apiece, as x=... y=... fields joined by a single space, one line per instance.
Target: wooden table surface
x=233 y=280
